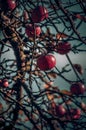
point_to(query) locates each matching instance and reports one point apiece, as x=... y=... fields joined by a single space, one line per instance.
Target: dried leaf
x=52 y=74
x=27 y=68
x=50 y=97
x=59 y=36
x=14 y=37
x=66 y=92
x=47 y=85
x=79 y=68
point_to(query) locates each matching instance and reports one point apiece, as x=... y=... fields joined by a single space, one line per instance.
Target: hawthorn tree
x=34 y=35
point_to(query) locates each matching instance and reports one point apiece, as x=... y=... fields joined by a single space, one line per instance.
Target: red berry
x=31 y=31
x=60 y=110
x=39 y=14
x=77 y=88
x=5 y=83
x=46 y=62
x=73 y=113
x=11 y=4
x=63 y=48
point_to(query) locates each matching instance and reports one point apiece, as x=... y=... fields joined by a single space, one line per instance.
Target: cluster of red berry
x=45 y=62
x=39 y=14
x=76 y=89
x=72 y=113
